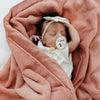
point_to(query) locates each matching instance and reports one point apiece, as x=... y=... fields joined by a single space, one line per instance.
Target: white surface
x=5 y=6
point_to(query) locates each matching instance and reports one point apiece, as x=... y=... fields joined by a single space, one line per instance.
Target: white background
x=5 y=6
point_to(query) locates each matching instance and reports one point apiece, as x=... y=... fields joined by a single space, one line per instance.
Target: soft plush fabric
x=30 y=74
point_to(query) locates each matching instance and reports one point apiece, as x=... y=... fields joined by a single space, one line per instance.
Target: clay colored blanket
x=30 y=74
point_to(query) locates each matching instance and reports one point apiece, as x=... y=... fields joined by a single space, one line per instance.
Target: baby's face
x=54 y=31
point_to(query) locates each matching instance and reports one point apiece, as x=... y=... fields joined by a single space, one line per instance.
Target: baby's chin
x=52 y=46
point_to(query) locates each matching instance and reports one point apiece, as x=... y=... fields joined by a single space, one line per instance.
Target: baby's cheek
x=51 y=42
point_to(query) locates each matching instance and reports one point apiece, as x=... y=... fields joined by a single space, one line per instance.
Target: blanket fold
x=30 y=74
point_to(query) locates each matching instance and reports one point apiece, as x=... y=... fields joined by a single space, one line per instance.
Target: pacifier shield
x=61 y=42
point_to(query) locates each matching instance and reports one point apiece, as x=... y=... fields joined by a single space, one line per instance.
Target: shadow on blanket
x=30 y=74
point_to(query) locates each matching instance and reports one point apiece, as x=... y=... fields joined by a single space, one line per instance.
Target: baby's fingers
x=67 y=24
x=37 y=38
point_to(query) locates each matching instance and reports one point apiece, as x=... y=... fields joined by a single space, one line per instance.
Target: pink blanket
x=30 y=74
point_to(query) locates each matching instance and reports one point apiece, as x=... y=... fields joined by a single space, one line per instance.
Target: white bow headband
x=53 y=19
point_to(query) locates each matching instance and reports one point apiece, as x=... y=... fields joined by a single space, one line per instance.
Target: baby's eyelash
x=53 y=33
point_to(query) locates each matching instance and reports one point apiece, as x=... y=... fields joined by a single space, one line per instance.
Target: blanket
x=30 y=74
x=5 y=6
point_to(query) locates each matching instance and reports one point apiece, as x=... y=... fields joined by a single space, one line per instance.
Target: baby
x=54 y=41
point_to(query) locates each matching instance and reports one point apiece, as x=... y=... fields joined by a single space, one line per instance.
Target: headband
x=53 y=19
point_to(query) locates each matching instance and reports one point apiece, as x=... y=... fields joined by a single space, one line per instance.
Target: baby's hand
x=67 y=25
x=34 y=38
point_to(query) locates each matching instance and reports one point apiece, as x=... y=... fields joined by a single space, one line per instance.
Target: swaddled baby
x=54 y=41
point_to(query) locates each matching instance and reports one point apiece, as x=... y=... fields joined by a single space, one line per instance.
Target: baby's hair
x=40 y=24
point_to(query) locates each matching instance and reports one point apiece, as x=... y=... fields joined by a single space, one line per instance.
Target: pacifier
x=61 y=42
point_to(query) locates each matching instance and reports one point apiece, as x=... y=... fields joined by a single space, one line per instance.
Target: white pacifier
x=61 y=42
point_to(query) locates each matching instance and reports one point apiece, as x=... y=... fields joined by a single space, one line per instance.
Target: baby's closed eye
x=52 y=33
